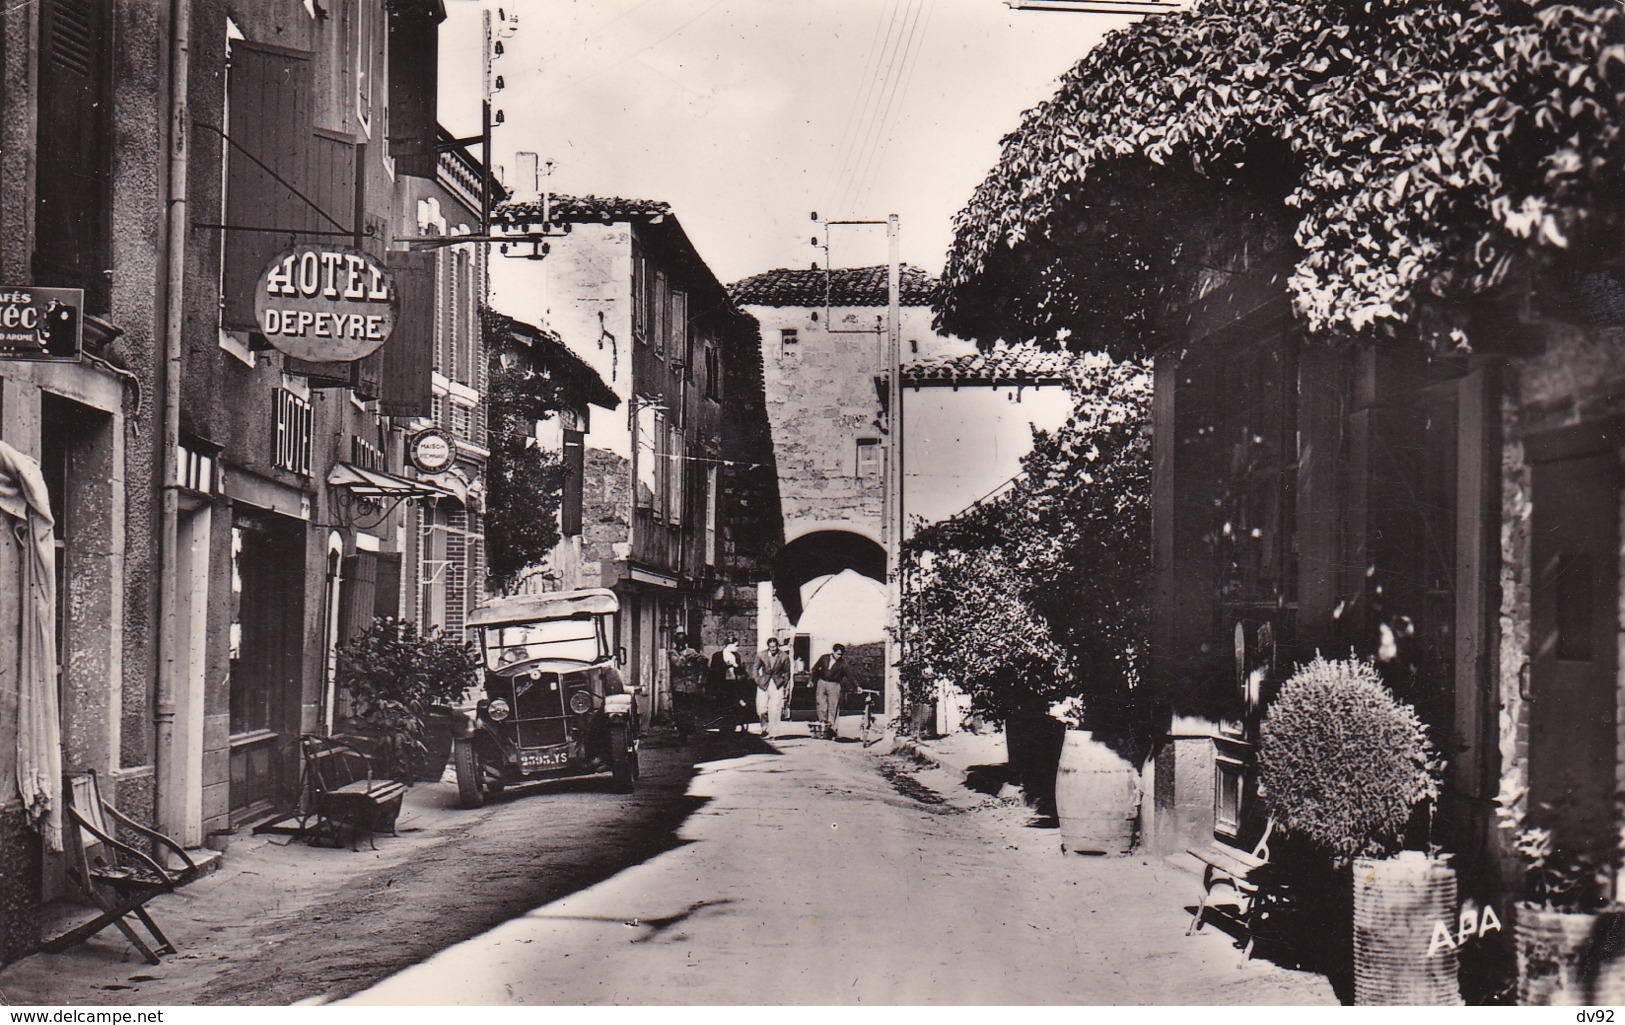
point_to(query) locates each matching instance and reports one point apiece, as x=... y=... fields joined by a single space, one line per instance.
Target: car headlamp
x=498 y=710
x=581 y=702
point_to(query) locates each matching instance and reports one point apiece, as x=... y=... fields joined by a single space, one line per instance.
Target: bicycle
x=868 y=728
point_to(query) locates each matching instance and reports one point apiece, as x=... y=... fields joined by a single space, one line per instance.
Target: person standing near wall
x=687 y=672
x=772 y=686
x=831 y=675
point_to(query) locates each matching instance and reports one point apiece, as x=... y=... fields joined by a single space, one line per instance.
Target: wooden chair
x=118 y=878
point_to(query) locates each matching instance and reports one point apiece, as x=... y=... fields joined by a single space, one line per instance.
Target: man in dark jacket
x=831 y=676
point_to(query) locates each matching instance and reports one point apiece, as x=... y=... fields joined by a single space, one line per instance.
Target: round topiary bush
x=1342 y=763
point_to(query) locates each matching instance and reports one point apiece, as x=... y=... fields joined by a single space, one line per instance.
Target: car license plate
x=529 y=760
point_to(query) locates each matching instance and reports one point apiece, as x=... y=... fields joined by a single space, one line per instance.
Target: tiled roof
x=848 y=286
x=1016 y=364
x=582 y=208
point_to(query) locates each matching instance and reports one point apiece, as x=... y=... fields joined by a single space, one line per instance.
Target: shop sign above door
x=41 y=323
x=325 y=304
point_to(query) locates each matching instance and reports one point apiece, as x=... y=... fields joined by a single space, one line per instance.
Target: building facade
x=227 y=511
x=680 y=506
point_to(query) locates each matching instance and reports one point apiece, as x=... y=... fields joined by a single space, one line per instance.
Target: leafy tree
x=1039 y=595
x=525 y=484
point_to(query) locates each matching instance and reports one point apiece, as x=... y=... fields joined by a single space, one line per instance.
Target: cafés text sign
x=41 y=323
x=325 y=304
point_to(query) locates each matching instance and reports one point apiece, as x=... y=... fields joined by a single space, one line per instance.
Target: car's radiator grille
x=540 y=733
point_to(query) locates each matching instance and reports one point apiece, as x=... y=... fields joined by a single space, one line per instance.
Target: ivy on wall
x=1395 y=151
x=524 y=483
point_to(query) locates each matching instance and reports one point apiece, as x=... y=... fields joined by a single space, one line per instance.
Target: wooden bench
x=344 y=796
x=1253 y=895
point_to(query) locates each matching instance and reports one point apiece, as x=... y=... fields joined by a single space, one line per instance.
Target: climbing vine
x=524 y=483
x=1393 y=151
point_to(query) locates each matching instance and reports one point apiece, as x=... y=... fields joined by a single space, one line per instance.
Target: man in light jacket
x=772 y=686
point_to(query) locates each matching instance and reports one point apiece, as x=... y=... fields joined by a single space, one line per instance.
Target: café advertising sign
x=41 y=323
x=325 y=304
x=430 y=451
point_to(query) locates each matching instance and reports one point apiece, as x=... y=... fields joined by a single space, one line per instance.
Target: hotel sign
x=325 y=304
x=41 y=323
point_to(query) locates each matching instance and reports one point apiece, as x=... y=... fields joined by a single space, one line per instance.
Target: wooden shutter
x=387 y=584
x=406 y=362
x=575 y=466
x=269 y=119
x=358 y=597
x=72 y=200
x=413 y=84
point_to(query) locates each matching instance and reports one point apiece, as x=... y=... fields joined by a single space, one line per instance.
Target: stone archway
x=822 y=553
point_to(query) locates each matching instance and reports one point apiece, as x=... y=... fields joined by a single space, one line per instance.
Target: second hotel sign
x=325 y=304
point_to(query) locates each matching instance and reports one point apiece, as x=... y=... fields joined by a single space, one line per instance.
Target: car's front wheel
x=623 y=756
x=470 y=793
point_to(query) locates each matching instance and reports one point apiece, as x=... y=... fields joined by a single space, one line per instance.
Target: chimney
x=526 y=181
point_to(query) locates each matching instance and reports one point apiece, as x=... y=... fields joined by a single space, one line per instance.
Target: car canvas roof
x=557 y=605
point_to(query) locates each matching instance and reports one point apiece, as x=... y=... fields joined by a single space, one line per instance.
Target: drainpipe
x=171 y=805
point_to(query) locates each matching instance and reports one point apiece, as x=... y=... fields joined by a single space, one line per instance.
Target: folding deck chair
x=118 y=878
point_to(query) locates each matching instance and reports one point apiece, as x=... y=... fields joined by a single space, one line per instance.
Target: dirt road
x=816 y=875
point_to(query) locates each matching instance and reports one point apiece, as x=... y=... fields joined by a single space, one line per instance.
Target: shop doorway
x=1574 y=659
x=266 y=662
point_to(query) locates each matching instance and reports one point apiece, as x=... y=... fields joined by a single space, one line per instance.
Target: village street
x=818 y=873
x=798 y=872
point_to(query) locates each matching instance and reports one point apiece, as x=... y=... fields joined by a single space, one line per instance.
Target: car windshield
x=564 y=640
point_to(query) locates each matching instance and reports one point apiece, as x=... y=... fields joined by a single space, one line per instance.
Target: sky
x=748 y=115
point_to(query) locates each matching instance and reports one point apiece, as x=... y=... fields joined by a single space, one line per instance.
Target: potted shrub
x=1345 y=766
x=1570 y=933
x=393 y=677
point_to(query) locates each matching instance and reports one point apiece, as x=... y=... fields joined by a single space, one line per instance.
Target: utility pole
x=894 y=471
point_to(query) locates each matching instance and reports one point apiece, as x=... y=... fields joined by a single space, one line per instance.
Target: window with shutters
x=575 y=454
x=72 y=194
x=711 y=515
x=679 y=329
x=713 y=371
x=869 y=457
x=463 y=314
x=660 y=322
x=676 y=471
x=640 y=297
x=647 y=425
x=282 y=173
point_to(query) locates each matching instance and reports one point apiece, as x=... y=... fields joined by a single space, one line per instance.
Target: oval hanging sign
x=325 y=304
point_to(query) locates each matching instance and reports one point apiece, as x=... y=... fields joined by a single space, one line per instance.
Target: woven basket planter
x=1570 y=958
x=1396 y=903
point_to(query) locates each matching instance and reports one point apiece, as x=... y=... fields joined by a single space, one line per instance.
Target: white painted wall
x=583 y=291
x=960 y=444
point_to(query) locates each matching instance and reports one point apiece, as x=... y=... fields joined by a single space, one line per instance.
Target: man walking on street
x=772 y=686
x=831 y=676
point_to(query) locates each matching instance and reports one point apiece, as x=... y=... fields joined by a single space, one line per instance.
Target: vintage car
x=554 y=704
